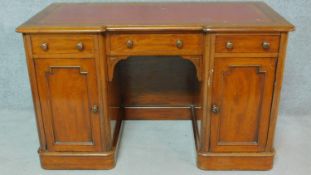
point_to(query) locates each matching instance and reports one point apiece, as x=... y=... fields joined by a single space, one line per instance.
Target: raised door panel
x=68 y=90
x=242 y=94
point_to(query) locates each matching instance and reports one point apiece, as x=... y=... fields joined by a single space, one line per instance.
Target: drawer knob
x=229 y=45
x=266 y=45
x=80 y=46
x=44 y=46
x=215 y=109
x=94 y=109
x=179 y=44
x=130 y=44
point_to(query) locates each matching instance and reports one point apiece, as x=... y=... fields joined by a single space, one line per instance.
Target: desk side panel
x=34 y=91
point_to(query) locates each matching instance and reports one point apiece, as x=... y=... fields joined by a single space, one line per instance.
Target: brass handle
x=266 y=45
x=179 y=44
x=80 y=46
x=44 y=46
x=94 y=108
x=229 y=45
x=215 y=109
x=130 y=44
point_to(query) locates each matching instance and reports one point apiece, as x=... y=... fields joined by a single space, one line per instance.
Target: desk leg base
x=83 y=160
x=58 y=160
x=235 y=161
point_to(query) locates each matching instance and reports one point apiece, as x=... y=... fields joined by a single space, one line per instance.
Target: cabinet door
x=242 y=94
x=68 y=92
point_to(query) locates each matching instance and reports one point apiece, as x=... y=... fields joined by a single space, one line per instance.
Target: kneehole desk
x=93 y=65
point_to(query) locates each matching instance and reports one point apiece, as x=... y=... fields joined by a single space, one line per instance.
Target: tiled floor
x=151 y=148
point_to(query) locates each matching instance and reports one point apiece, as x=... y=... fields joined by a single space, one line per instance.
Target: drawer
x=155 y=44
x=247 y=43
x=54 y=44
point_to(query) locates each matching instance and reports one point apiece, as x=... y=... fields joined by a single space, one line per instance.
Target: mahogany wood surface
x=155 y=44
x=161 y=81
x=93 y=65
x=67 y=90
x=247 y=43
x=62 y=44
x=242 y=89
x=235 y=161
x=277 y=90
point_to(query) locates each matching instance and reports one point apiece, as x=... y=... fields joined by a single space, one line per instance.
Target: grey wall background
x=14 y=84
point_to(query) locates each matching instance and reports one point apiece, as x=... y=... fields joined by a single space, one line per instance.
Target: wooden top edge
x=249 y=28
x=103 y=29
x=60 y=29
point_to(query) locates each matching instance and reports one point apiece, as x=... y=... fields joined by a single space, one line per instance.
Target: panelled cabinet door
x=68 y=96
x=242 y=94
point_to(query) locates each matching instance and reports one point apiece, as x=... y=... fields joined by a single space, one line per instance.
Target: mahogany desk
x=92 y=65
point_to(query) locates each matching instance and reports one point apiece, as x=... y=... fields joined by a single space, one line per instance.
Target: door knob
x=94 y=108
x=80 y=46
x=44 y=46
x=215 y=109
x=179 y=44
x=266 y=45
x=229 y=45
x=130 y=44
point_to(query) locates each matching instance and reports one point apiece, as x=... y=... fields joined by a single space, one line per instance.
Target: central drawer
x=155 y=44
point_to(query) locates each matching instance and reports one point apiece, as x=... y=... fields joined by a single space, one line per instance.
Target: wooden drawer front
x=155 y=44
x=247 y=43
x=62 y=44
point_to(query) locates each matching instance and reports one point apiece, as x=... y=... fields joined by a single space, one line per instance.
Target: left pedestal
x=66 y=82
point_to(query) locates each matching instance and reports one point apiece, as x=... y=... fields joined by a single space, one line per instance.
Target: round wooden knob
x=130 y=44
x=80 y=46
x=229 y=45
x=44 y=46
x=266 y=45
x=179 y=44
